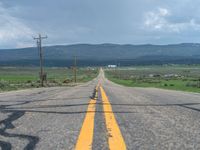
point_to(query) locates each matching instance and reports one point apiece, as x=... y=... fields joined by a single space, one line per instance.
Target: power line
x=39 y=45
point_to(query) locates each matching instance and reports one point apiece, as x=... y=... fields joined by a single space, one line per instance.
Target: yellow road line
x=115 y=138
x=85 y=138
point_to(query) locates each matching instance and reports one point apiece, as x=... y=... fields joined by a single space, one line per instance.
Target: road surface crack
x=8 y=124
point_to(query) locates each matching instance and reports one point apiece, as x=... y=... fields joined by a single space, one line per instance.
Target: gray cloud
x=13 y=31
x=94 y=21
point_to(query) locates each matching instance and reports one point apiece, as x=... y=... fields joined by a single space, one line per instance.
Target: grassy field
x=12 y=78
x=181 y=77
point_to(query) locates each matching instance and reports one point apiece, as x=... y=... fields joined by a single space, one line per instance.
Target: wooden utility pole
x=75 y=69
x=39 y=45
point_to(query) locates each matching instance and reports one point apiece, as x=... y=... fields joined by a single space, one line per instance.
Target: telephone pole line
x=39 y=45
x=75 y=69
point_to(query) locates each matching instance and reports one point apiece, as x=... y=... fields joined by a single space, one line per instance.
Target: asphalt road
x=110 y=117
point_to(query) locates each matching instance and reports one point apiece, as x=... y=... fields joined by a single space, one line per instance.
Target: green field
x=12 y=78
x=181 y=77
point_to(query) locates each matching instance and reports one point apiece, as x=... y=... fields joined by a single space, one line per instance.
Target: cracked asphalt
x=52 y=118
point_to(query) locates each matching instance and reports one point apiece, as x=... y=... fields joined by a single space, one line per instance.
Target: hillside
x=104 y=54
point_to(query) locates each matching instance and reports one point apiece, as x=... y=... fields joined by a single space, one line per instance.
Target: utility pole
x=75 y=69
x=39 y=45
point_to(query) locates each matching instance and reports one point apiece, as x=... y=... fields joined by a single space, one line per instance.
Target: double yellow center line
x=115 y=138
x=85 y=138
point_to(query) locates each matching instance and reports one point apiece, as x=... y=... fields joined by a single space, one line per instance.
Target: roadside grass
x=12 y=78
x=187 y=79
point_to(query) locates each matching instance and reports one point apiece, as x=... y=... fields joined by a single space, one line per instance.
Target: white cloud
x=163 y=12
x=13 y=31
x=159 y=21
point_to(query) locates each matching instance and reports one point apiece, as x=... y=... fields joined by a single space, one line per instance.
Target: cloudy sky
x=99 y=21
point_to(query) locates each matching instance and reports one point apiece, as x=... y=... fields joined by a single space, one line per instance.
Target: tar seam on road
x=100 y=140
x=85 y=138
x=115 y=138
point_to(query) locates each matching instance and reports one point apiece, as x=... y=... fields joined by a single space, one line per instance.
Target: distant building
x=170 y=75
x=112 y=66
x=154 y=75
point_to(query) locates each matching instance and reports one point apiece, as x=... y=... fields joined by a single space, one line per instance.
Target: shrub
x=28 y=81
x=67 y=81
x=3 y=84
x=54 y=81
x=165 y=84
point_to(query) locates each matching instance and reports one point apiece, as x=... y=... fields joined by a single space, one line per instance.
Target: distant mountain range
x=104 y=54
